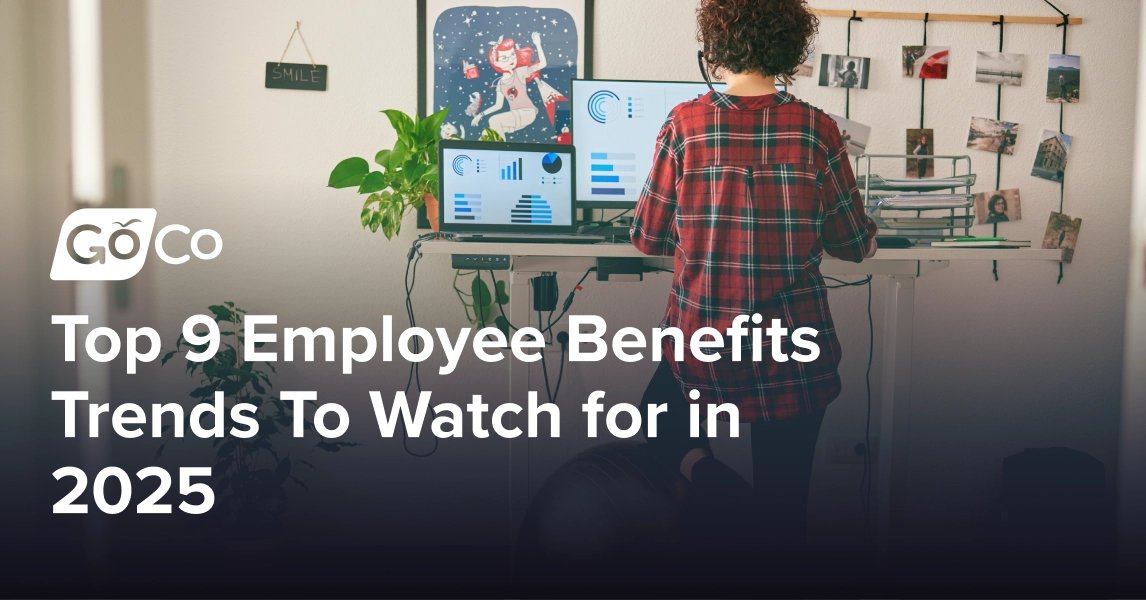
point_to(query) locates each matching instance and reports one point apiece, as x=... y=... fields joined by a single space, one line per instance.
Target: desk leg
x=895 y=409
x=518 y=388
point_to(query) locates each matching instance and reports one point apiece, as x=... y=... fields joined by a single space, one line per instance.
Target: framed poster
x=506 y=65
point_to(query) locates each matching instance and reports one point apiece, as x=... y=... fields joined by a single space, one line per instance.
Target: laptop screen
x=505 y=187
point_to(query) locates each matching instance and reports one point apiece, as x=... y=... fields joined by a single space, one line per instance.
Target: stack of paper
x=925 y=201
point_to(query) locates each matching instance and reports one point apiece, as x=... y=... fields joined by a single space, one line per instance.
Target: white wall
x=1000 y=366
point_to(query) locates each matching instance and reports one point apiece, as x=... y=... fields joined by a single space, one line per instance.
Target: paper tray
x=945 y=222
x=880 y=184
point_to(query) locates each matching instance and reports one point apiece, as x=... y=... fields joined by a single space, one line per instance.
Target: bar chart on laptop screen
x=492 y=188
x=615 y=127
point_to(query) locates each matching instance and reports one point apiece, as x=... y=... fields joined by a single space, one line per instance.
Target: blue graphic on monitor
x=512 y=171
x=531 y=210
x=604 y=106
x=551 y=163
x=461 y=163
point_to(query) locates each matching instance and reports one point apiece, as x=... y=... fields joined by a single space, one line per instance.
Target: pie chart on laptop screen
x=551 y=163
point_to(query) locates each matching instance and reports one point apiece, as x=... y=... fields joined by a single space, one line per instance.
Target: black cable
x=866 y=479
x=604 y=224
x=999 y=156
x=867 y=422
x=500 y=306
x=560 y=371
x=1061 y=184
x=544 y=369
x=922 y=81
x=848 y=91
x=412 y=259
x=568 y=302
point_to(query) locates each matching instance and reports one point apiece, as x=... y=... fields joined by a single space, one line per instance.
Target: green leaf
x=414 y=171
x=490 y=135
x=375 y=222
x=502 y=295
x=382 y=158
x=502 y=323
x=398 y=155
x=367 y=214
x=349 y=173
x=375 y=181
x=222 y=313
x=480 y=292
x=335 y=446
x=429 y=127
x=167 y=357
x=401 y=122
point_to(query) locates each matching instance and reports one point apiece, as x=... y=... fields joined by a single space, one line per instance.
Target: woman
x=997 y=209
x=922 y=149
x=748 y=188
x=517 y=69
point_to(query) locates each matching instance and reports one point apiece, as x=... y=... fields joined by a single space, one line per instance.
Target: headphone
x=704 y=71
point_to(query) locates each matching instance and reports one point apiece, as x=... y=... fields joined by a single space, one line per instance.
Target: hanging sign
x=291 y=76
x=294 y=76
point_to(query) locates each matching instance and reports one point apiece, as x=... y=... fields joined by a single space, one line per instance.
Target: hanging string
x=297 y=29
x=848 y=91
x=1062 y=183
x=999 y=156
x=922 y=81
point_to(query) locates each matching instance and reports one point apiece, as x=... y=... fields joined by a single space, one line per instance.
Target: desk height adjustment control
x=481 y=262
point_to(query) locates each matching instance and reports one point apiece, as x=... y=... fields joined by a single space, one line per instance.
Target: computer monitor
x=615 y=125
x=505 y=187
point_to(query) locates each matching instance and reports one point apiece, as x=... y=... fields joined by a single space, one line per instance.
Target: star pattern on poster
x=526 y=103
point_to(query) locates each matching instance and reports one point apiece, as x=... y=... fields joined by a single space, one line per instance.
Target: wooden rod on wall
x=906 y=16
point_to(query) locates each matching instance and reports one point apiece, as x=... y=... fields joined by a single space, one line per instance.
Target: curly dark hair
x=770 y=37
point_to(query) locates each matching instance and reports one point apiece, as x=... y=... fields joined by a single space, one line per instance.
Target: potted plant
x=407 y=175
x=408 y=178
x=250 y=475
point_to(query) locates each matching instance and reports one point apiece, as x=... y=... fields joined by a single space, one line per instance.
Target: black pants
x=782 y=453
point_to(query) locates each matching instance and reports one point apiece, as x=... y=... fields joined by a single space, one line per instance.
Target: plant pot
x=431 y=211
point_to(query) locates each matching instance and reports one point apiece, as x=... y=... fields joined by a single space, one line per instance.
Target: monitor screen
x=615 y=126
x=486 y=186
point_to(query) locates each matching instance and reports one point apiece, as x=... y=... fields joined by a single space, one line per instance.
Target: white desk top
x=627 y=250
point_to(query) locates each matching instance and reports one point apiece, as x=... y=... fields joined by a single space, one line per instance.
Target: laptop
x=507 y=192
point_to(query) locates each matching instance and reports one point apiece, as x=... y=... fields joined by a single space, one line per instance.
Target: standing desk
x=901 y=266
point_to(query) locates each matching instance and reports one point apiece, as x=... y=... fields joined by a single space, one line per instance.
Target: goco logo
x=110 y=244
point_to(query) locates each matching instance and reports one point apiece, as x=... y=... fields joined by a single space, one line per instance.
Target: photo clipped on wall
x=1062 y=232
x=1050 y=158
x=925 y=62
x=920 y=142
x=841 y=71
x=1063 y=78
x=994 y=136
x=503 y=66
x=854 y=134
x=999 y=206
x=999 y=68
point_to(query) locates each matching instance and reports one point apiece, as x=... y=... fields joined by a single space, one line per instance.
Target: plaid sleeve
x=847 y=229
x=654 y=221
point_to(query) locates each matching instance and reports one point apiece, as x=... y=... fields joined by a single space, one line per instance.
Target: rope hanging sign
x=296 y=76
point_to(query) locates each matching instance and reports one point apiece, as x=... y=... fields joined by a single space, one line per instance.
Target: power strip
x=482 y=262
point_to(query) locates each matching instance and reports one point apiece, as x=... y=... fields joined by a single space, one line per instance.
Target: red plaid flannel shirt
x=746 y=193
